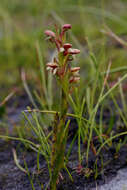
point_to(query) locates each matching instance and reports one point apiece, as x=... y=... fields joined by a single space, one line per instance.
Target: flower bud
x=66 y=27
x=50 y=33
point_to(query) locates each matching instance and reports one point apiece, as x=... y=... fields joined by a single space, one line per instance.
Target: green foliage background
x=22 y=24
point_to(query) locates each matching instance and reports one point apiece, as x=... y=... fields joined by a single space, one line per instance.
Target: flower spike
x=67 y=78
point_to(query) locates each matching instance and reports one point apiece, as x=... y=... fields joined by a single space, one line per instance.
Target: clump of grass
x=67 y=78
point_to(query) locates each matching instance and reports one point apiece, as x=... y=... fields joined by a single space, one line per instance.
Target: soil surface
x=12 y=178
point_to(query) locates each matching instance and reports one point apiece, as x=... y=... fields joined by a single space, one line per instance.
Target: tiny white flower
x=54 y=71
x=62 y=49
x=48 y=68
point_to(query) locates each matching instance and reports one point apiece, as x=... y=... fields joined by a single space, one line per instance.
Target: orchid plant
x=67 y=77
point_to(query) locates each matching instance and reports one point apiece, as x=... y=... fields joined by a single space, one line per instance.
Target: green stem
x=59 y=142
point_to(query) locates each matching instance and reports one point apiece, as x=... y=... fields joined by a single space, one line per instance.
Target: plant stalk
x=59 y=142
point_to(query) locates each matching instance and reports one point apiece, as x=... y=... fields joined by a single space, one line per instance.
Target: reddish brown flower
x=67 y=46
x=53 y=67
x=74 y=79
x=73 y=51
x=75 y=69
